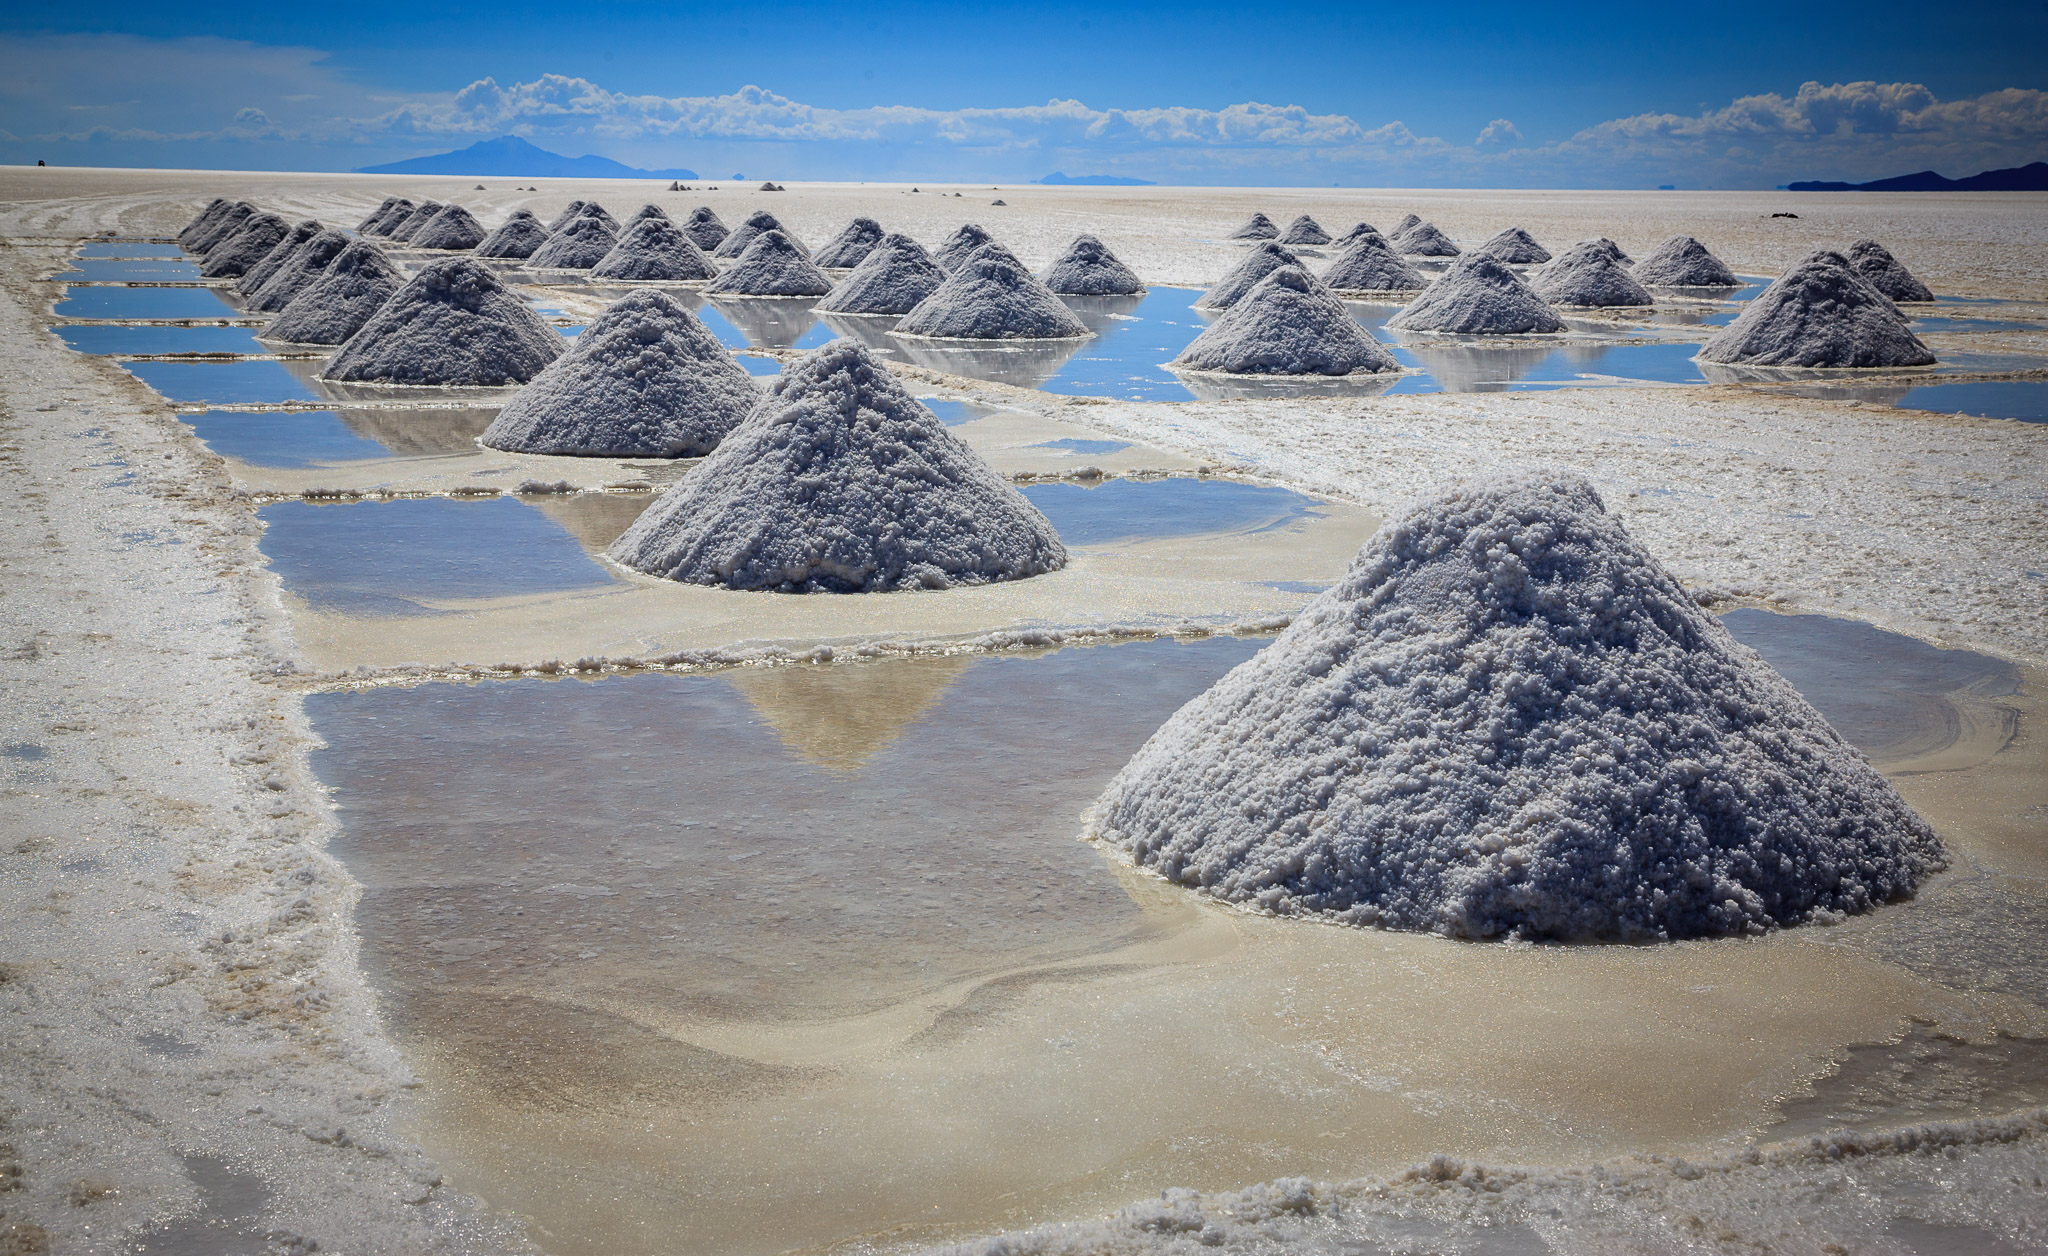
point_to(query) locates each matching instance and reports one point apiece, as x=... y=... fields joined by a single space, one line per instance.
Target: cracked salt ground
x=145 y=303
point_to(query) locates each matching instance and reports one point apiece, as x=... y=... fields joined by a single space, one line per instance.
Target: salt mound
x=255 y=277
x=840 y=482
x=1886 y=273
x=643 y=214
x=299 y=272
x=386 y=219
x=704 y=228
x=1358 y=230
x=203 y=219
x=644 y=380
x=454 y=228
x=772 y=266
x=1819 y=313
x=1613 y=250
x=250 y=243
x=1256 y=227
x=758 y=222
x=422 y=214
x=355 y=285
x=851 y=246
x=1263 y=260
x=1516 y=247
x=1089 y=269
x=1369 y=264
x=1477 y=296
x=1288 y=324
x=1407 y=223
x=1508 y=719
x=1305 y=230
x=519 y=236
x=1683 y=262
x=581 y=244
x=369 y=223
x=991 y=296
x=960 y=245
x=654 y=248
x=591 y=209
x=1424 y=240
x=454 y=323
x=567 y=216
x=897 y=275
x=226 y=224
x=1587 y=274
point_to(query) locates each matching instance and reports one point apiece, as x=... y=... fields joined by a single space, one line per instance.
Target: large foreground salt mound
x=1819 y=313
x=1369 y=264
x=454 y=229
x=454 y=323
x=851 y=246
x=757 y=223
x=1477 y=296
x=1089 y=269
x=1683 y=262
x=580 y=244
x=1507 y=719
x=1516 y=247
x=772 y=266
x=645 y=379
x=1288 y=324
x=354 y=286
x=224 y=224
x=1588 y=274
x=1256 y=227
x=300 y=271
x=654 y=248
x=1305 y=230
x=839 y=481
x=519 y=236
x=1886 y=273
x=1262 y=260
x=991 y=296
x=1422 y=239
x=704 y=228
x=956 y=248
x=896 y=275
x=259 y=274
x=249 y=244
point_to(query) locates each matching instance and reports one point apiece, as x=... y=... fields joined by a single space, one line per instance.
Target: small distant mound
x=991 y=296
x=1369 y=264
x=641 y=215
x=1478 y=296
x=250 y=243
x=772 y=266
x=355 y=285
x=851 y=246
x=957 y=247
x=1588 y=275
x=1821 y=313
x=1683 y=262
x=454 y=229
x=896 y=275
x=1516 y=247
x=453 y=324
x=644 y=380
x=1256 y=227
x=568 y=215
x=1264 y=259
x=654 y=248
x=422 y=214
x=704 y=228
x=368 y=226
x=298 y=272
x=581 y=243
x=757 y=223
x=1305 y=230
x=840 y=482
x=519 y=236
x=1422 y=239
x=1886 y=273
x=1357 y=230
x=1089 y=269
x=225 y=223
x=1288 y=324
x=259 y=274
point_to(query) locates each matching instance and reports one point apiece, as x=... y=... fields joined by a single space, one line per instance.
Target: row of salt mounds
x=569 y=214
x=1370 y=264
x=991 y=296
x=454 y=229
x=1305 y=230
x=1089 y=269
x=1515 y=247
x=1683 y=262
x=232 y=256
x=1821 y=313
x=704 y=228
x=1477 y=296
x=1288 y=324
x=654 y=249
x=353 y=287
x=960 y=246
x=229 y=219
x=402 y=230
x=453 y=324
x=259 y=274
x=1421 y=239
x=1256 y=227
x=644 y=380
x=300 y=271
x=580 y=244
x=1886 y=273
x=851 y=246
x=839 y=481
x=1264 y=258
x=758 y=223
x=1508 y=719
x=896 y=276
x=200 y=221
x=772 y=266
x=1587 y=275
x=519 y=236
x=370 y=222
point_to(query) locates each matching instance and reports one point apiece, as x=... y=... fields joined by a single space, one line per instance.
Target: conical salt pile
x=1407 y=223
x=644 y=380
x=851 y=246
x=355 y=285
x=1423 y=240
x=641 y=215
x=991 y=296
x=957 y=247
x=251 y=242
x=1613 y=250
x=1886 y=273
x=1288 y=324
x=772 y=266
x=1516 y=247
x=1370 y=264
x=454 y=323
x=1477 y=296
x=704 y=228
x=567 y=216
x=591 y=209
x=1089 y=269
x=1357 y=230
x=203 y=219
x=370 y=220
x=581 y=244
x=1508 y=719
x=421 y=215
x=224 y=224
x=256 y=276
x=454 y=229
x=299 y=272
x=654 y=248
x=757 y=222
x=519 y=236
x=1587 y=274
x=1261 y=261
x=396 y=210
x=1256 y=227
x=838 y=482
x=897 y=274
x=1305 y=230
x=1819 y=313
x=1683 y=262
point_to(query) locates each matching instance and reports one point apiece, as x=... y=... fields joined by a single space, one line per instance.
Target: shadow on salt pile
x=102 y=339
x=1113 y=511
x=146 y=303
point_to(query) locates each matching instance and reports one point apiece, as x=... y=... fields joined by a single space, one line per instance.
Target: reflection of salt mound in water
x=224 y=224
x=873 y=333
x=250 y=244
x=519 y=236
x=1263 y=260
x=840 y=716
x=1819 y=313
x=355 y=285
x=454 y=323
x=1100 y=315
x=368 y=226
x=1256 y=227
x=1477 y=296
x=959 y=246
x=581 y=244
x=423 y=213
x=769 y=322
x=256 y=276
x=757 y=224
x=1212 y=387
x=1018 y=363
x=1886 y=273
x=991 y=296
x=1369 y=264
x=204 y=219
x=773 y=266
x=641 y=215
x=594 y=519
x=1467 y=368
x=1508 y=719
x=851 y=246
x=896 y=274
x=1683 y=262
x=1587 y=274
x=1516 y=247
x=704 y=228
x=1358 y=230
x=1288 y=324
x=1423 y=240
x=1089 y=269
x=645 y=379
x=569 y=214
x=1305 y=230
x=840 y=482
x=415 y=430
x=654 y=248
x=299 y=272
x=454 y=229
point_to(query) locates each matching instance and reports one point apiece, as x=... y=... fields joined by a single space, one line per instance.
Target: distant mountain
x=509 y=157
x=1056 y=179
x=2030 y=178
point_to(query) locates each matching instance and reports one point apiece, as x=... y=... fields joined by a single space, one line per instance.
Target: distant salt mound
x=398 y=211
x=1407 y=223
x=1821 y=313
x=368 y=226
x=591 y=209
x=1256 y=227
x=519 y=236
x=1288 y=324
x=991 y=296
x=1357 y=230
x=454 y=324
x=1508 y=720
x=851 y=246
x=654 y=248
x=251 y=242
x=421 y=215
x=259 y=274
x=1613 y=250
x=567 y=216
x=960 y=245
x=840 y=482
x=355 y=285
x=1515 y=247
x=644 y=380
x=1683 y=262
x=1886 y=273
x=1264 y=259
x=772 y=266
x=299 y=272
x=1587 y=275
x=1089 y=269
x=581 y=244
x=203 y=219
x=454 y=229
x=1370 y=264
x=641 y=215
x=758 y=223
x=225 y=224
x=896 y=275
x=704 y=228
x=1305 y=230
x=1423 y=240
x=1477 y=296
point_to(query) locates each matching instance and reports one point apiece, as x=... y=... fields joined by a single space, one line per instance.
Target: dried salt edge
x=772 y=266
x=1477 y=296
x=1369 y=264
x=1256 y=227
x=757 y=223
x=247 y=245
x=1588 y=275
x=1683 y=262
x=1886 y=273
x=1820 y=313
x=1305 y=230
x=851 y=246
x=704 y=228
x=256 y=276
x=1262 y=260
x=991 y=296
x=1288 y=324
x=355 y=285
x=519 y=236
x=645 y=379
x=894 y=277
x=453 y=323
x=959 y=246
x=581 y=244
x=1422 y=239
x=299 y=272
x=1089 y=269
x=839 y=481
x=454 y=229
x=1508 y=719
x=654 y=249
x=1516 y=247
x=224 y=224
x=422 y=214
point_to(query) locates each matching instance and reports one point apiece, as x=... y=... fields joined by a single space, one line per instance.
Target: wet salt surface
x=302 y=438
x=157 y=303
x=105 y=339
x=1131 y=510
x=226 y=1220
x=224 y=383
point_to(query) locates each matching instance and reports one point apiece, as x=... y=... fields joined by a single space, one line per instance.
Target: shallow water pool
x=129 y=248
x=303 y=438
x=152 y=303
x=226 y=383
x=116 y=338
x=1129 y=510
x=147 y=269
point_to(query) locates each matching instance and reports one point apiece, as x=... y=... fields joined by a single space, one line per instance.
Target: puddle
x=757 y=366
x=2023 y=399
x=1087 y=448
x=224 y=383
x=1926 y=1076
x=1134 y=339
x=764 y=322
x=1019 y=363
x=161 y=303
x=129 y=248
x=123 y=270
x=304 y=438
x=103 y=339
x=1946 y=323
x=27 y=751
x=1925 y=1238
x=1129 y=510
x=227 y=1222
x=953 y=413
x=1462 y=368
x=157 y=1042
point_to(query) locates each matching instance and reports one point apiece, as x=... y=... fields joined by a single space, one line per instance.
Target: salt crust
x=654 y=248
x=991 y=296
x=1262 y=260
x=851 y=246
x=255 y=277
x=757 y=222
x=956 y=248
x=1089 y=269
x=1256 y=227
x=299 y=272
x=1886 y=273
x=645 y=379
x=1288 y=324
x=355 y=285
x=1305 y=230
x=1820 y=313
x=567 y=216
x=422 y=214
x=704 y=228
x=519 y=236
x=454 y=323
x=245 y=247
x=581 y=244
x=396 y=210
x=772 y=266
x=224 y=224
x=203 y=219
x=376 y=215
x=1507 y=719
x=454 y=229
x=1423 y=240
x=1683 y=262
x=839 y=481
x=896 y=275
x=1477 y=296
x=1516 y=247
x=1588 y=274
x=1369 y=264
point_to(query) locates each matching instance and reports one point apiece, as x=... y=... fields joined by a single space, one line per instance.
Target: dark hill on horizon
x=509 y=157
x=2028 y=178
x=1056 y=179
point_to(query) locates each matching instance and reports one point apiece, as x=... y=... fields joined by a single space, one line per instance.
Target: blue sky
x=1479 y=94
